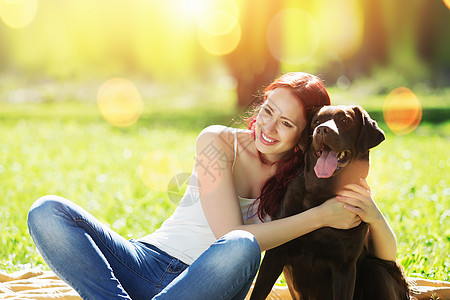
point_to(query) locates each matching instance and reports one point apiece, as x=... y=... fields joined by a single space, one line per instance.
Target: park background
x=101 y=102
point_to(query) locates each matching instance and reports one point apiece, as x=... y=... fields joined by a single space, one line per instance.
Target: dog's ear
x=306 y=134
x=303 y=141
x=370 y=134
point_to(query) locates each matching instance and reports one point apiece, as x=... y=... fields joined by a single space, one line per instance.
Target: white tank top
x=186 y=234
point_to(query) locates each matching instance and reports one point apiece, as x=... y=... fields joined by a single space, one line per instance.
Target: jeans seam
x=166 y=272
x=245 y=279
x=171 y=258
x=112 y=252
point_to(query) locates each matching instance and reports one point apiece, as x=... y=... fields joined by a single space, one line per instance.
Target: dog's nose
x=323 y=129
x=327 y=127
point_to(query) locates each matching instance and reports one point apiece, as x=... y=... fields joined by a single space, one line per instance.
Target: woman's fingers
x=357 y=189
x=340 y=217
x=357 y=199
x=353 y=209
x=364 y=184
x=357 y=222
x=350 y=201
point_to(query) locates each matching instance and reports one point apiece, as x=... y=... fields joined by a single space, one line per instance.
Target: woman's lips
x=267 y=140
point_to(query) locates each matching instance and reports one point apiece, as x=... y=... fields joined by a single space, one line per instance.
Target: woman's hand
x=333 y=214
x=357 y=199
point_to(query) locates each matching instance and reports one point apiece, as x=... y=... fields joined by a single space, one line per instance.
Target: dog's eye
x=345 y=120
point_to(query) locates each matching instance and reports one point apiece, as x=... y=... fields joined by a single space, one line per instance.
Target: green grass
x=68 y=149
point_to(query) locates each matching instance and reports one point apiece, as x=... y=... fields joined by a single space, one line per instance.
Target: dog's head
x=341 y=135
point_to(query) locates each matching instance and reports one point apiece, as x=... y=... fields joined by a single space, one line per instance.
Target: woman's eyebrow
x=286 y=118
x=279 y=112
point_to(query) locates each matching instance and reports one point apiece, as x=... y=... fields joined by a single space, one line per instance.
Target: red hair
x=311 y=93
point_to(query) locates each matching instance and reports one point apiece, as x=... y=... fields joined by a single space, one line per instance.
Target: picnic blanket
x=34 y=284
x=45 y=285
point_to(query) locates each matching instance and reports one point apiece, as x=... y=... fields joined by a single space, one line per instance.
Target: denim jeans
x=100 y=264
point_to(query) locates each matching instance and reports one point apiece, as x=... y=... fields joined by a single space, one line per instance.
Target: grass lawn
x=68 y=149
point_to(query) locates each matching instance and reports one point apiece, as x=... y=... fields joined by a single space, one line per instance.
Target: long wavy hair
x=311 y=93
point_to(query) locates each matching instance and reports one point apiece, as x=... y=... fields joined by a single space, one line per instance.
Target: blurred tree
x=374 y=48
x=411 y=37
x=433 y=40
x=251 y=63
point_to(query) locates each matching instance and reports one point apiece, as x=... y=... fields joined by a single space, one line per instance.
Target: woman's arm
x=381 y=239
x=277 y=232
x=214 y=157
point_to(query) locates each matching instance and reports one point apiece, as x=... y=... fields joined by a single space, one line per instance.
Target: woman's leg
x=224 y=271
x=97 y=262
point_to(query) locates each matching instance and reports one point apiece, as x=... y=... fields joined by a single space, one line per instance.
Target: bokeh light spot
x=218 y=17
x=217 y=22
x=341 y=26
x=157 y=170
x=18 y=13
x=343 y=82
x=299 y=33
x=402 y=111
x=447 y=3
x=220 y=44
x=120 y=102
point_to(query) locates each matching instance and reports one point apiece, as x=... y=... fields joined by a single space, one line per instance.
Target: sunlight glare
x=341 y=27
x=219 y=31
x=191 y=8
x=217 y=22
x=18 y=13
x=120 y=102
x=402 y=111
x=299 y=33
x=447 y=3
x=219 y=18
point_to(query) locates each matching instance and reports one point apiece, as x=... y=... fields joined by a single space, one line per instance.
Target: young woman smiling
x=210 y=247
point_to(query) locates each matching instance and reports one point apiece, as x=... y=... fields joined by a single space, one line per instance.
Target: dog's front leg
x=344 y=278
x=271 y=267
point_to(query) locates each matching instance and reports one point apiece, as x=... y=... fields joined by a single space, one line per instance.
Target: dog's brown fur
x=331 y=263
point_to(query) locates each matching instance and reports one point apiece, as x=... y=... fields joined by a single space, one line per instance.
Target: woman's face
x=279 y=124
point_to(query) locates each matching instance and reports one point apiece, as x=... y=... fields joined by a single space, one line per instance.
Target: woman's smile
x=267 y=140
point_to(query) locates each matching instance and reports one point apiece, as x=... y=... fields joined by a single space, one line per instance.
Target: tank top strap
x=235 y=148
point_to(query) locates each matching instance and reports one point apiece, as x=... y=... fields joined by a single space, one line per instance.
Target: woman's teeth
x=266 y=138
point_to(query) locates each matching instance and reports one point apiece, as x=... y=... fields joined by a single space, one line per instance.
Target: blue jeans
x=100 y=264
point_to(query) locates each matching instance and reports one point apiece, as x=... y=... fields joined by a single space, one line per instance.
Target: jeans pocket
x=176 y=266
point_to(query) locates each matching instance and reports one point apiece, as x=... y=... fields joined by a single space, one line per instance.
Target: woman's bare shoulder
x=220 y=137
x=220 y=133
x=217 y=129
x=215 y=137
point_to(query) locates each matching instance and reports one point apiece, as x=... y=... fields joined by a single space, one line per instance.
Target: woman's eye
x=268 y=111
x=287 y=124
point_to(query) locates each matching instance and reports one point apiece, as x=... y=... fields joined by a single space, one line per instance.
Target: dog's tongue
x=326 y=164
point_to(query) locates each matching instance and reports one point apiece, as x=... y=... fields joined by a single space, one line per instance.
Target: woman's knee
x=43 y=210
x=242 y=245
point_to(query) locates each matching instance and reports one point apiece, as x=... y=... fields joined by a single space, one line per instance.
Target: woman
x=210 y=247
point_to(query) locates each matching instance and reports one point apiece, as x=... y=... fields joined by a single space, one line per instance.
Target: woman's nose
x=270 y=126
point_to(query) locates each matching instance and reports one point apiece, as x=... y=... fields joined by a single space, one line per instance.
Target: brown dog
x=330 y=263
